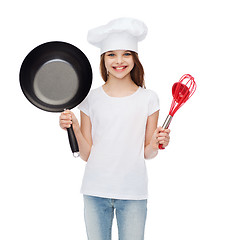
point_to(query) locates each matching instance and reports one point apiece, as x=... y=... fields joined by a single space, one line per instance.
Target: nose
x=119 y=59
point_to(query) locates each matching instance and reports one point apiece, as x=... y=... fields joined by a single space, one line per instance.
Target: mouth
x=120 y=68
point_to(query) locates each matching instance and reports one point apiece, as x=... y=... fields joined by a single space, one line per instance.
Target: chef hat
x=119 y=34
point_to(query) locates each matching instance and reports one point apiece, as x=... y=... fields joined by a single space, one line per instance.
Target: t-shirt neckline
x=125 y=97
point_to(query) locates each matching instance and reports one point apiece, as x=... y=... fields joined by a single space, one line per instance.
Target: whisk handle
x=161 y=147
x=166 y=126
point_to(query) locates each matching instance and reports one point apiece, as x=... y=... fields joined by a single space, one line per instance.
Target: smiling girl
x=118 y=132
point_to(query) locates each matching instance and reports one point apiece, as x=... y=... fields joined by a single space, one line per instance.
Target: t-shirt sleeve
x=153 y=104
x=84 y=106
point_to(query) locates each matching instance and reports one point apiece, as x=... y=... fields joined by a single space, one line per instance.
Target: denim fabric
x=99 y=214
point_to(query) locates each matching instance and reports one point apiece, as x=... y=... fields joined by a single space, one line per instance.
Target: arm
x=151 y=150
x=82 y=133
x=154 y=136
x=84 y=137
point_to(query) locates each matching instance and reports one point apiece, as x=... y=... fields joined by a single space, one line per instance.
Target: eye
x=127 y=54
x=111 y=54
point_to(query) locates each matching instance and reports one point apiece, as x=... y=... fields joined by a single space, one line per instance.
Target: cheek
x=131 y=62
x=132 y=65
x=107 y=63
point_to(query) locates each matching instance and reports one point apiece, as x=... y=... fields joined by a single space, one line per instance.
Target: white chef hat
x=119 y=34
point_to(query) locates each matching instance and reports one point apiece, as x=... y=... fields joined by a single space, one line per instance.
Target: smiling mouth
x=120 y=68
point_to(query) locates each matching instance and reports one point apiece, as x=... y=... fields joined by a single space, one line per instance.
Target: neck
x=120 y=84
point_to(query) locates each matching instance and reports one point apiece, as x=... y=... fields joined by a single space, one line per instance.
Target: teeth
x=119 y=68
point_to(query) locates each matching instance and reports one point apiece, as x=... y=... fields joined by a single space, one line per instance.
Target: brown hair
x=137 y=73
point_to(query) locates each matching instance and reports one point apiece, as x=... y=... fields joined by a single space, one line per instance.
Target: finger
x=158 y=129
x=65 y=121
x=160 y=141
x=164 y=140
x=165 y=144
x=162 y=135
x=167 y=131
x=66 y=116
x=73 y=117
x=68 y=121
x=66 y=111
x=65 y=125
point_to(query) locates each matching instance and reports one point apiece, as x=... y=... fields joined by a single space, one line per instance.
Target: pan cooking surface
x=56 y=82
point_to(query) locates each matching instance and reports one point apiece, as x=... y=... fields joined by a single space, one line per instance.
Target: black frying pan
x=55 y=76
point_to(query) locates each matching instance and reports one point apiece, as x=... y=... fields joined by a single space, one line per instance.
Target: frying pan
x=56 y=76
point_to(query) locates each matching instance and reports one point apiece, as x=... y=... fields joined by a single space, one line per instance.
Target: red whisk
x=181 y=92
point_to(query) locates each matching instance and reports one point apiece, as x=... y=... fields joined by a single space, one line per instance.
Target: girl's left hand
x=160 y=136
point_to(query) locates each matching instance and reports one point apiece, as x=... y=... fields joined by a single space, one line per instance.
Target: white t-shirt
x=116 y=165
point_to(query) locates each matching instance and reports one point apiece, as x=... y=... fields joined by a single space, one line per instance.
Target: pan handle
x=73 y=142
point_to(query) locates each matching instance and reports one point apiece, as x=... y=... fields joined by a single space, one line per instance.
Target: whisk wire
x=181 y=92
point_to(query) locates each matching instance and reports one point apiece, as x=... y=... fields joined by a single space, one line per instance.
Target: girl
x=118 y=131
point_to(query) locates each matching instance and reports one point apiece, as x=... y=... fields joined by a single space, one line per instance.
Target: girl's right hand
x=67 y=118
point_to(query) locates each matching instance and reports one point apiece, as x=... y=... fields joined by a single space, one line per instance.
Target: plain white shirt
x=116 y=165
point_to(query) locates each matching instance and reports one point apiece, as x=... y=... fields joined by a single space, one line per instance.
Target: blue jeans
x=99 y=214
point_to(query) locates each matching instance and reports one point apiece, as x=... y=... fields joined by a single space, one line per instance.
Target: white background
x=189 y=182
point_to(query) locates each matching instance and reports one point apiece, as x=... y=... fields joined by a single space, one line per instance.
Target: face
x=119 y=63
